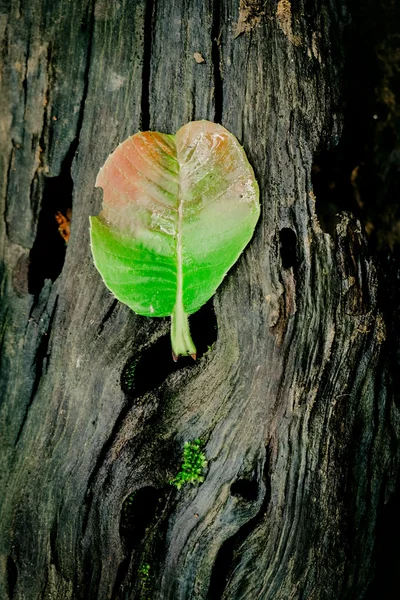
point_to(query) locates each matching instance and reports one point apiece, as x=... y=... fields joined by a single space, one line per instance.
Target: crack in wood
x=216 y=60
x=229 y=553
x=107 y=315
x=12 y=576
x=146 y=69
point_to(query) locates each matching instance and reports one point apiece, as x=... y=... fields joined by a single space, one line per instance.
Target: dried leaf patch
x=64 y=224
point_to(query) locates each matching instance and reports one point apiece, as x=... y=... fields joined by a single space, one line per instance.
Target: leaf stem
x=182 y=343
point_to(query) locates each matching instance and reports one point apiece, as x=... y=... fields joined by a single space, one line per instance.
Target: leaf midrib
x=179 y=258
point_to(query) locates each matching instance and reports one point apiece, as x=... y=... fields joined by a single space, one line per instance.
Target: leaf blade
x=177 y=213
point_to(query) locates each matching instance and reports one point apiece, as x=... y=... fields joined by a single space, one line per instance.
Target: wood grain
x=291 y=398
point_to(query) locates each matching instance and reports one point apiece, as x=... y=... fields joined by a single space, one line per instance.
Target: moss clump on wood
x=193 y=465
x=144 y=576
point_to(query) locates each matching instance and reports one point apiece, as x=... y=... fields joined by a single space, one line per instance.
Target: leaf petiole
x=181 y=340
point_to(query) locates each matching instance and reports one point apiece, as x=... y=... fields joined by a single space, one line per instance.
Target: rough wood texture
x=291 y=398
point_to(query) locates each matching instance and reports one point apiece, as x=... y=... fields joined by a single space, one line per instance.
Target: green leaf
x=177 y=213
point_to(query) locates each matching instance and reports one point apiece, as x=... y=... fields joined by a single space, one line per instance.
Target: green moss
x=128 y=377
x=144 y=577
x=127 y=507
x=130 y=498
x=144 y=572
x=194 y=463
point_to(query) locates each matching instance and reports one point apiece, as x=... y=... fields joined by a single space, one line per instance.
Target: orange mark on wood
x=64 y=224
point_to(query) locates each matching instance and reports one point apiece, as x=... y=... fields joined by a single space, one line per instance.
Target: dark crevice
x=34 y=141
x=334 y=192
x=143 y=529
x=193 y=104
x=140 y=510
x=222 y=569
x=246 y=489
x=147 y=48
x=385 y=584
x=35 y=193
x=47 y=255
x=150 y=369
x=120 y=577
x=288 y=248
x=90 y=21
x=389 y=303
x=107 y=316
x=353 y=175
x=216 y=59
x=137 y=513
x=40 y=365
x=25 y=80
x=86 y=585
x=12 y=576
x=229 y=554
x=48 y=251
x=101 y=459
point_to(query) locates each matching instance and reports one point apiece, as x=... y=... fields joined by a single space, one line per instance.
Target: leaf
x=177 y=213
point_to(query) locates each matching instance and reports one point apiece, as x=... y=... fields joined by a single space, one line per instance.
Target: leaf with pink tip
x=178 y=211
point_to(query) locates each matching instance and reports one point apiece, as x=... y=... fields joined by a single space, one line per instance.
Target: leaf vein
x=142 y=175
x=156 y=163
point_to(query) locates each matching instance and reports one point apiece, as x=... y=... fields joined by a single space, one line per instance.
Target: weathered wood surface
x=291 y=398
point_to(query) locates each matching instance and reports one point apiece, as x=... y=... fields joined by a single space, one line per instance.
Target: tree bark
x=290 y=391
